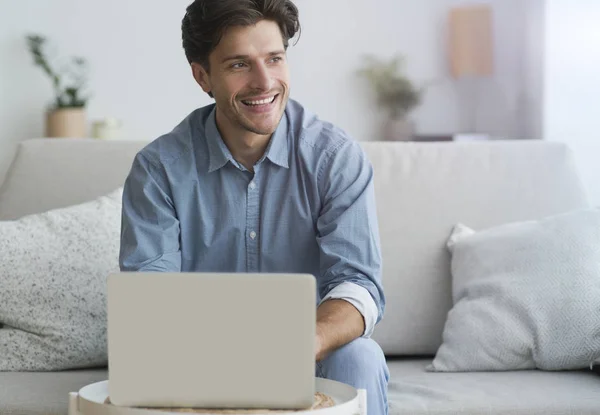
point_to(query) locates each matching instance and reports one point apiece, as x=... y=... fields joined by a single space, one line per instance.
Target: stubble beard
x=246 y=124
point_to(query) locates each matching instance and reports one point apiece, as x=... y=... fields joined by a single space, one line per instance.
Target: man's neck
x=245 y=147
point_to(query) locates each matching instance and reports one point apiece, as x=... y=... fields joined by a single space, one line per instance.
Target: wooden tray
x=321 y=401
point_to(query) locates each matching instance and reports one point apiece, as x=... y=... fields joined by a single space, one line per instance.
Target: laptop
x=211 y=340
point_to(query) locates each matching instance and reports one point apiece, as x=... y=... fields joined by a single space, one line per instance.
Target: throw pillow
x=53 y=271
x=526 y=296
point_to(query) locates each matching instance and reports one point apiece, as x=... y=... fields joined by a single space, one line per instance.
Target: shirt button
x=252 y=185
x=253 y=235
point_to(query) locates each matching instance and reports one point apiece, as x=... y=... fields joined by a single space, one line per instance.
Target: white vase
x=401 y=129
x=107 y=129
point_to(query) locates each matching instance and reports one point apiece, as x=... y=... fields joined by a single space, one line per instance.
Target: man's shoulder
x=314 y=135
x=177 y=144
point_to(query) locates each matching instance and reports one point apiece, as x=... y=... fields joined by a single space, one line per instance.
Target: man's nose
x=261 y=78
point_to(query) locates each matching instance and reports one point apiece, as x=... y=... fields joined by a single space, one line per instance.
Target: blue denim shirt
x=309 y=207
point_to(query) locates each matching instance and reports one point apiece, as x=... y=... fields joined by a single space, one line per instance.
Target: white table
x=90 y=401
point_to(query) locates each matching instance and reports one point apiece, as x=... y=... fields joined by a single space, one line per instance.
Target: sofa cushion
x=45 y=393
x=50 y=173
x=53 y=270
x=526 y=296
x=424 y=189
x=413 y=390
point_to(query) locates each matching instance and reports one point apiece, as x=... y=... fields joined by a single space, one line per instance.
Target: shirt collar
x=277 y=150
x=219 y=154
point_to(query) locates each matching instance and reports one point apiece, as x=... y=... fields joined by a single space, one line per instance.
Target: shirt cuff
x=360 y=298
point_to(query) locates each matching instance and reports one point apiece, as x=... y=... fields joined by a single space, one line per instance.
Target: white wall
x=572 y=84
x=139 y=73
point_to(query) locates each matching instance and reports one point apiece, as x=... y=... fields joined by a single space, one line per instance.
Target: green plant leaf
x=393 y=88
x=73 y=74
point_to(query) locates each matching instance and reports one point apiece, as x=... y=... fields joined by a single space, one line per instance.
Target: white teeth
x=261 y=102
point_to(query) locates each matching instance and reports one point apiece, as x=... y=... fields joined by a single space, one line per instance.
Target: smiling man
x=256 y=183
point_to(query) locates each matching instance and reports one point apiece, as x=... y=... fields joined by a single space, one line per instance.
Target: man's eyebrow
x=235 y=57
x=245 y=57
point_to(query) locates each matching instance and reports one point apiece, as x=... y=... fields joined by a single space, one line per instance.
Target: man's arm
x=149 y=225
x=350 y=281
x=338 y=323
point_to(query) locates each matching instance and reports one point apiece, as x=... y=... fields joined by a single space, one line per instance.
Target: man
x=255 y=183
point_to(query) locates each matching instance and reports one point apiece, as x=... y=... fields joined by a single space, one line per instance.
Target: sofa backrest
x=422 y=191
x=49 y=173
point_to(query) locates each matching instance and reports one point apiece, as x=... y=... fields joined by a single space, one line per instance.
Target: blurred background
x=497 y=69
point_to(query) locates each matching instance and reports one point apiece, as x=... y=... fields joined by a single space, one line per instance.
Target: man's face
x=248 y=77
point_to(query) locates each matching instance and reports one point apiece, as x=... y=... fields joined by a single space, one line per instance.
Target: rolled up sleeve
x=348 y=233
x=149 y=225
x=361 y=299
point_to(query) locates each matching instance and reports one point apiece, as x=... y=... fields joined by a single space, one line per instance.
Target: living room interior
x=499 y=138
x=543 y=65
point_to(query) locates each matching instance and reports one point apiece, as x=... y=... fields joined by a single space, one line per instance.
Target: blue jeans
x=361 y=364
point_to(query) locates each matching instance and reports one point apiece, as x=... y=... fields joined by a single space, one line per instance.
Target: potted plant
x=396 y=93
x=66 y=115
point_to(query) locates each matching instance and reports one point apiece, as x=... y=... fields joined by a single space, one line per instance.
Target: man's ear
x=201 y=76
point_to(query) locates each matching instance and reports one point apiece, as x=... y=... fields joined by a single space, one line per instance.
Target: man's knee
x=362 y=358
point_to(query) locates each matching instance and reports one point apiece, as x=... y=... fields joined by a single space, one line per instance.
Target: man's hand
x=338 y=323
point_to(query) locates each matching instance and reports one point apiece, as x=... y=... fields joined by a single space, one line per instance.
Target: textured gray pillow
x=526 y=296
x=53 y=270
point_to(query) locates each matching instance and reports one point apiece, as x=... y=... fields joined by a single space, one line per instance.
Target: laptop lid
x=211 y=340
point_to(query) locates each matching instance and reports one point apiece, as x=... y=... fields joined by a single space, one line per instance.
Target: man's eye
x=276 y=59
x=237 y=65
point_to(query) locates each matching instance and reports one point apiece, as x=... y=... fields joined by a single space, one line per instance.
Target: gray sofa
x=422 y=190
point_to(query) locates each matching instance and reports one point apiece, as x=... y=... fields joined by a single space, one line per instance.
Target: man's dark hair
x=206 y=21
